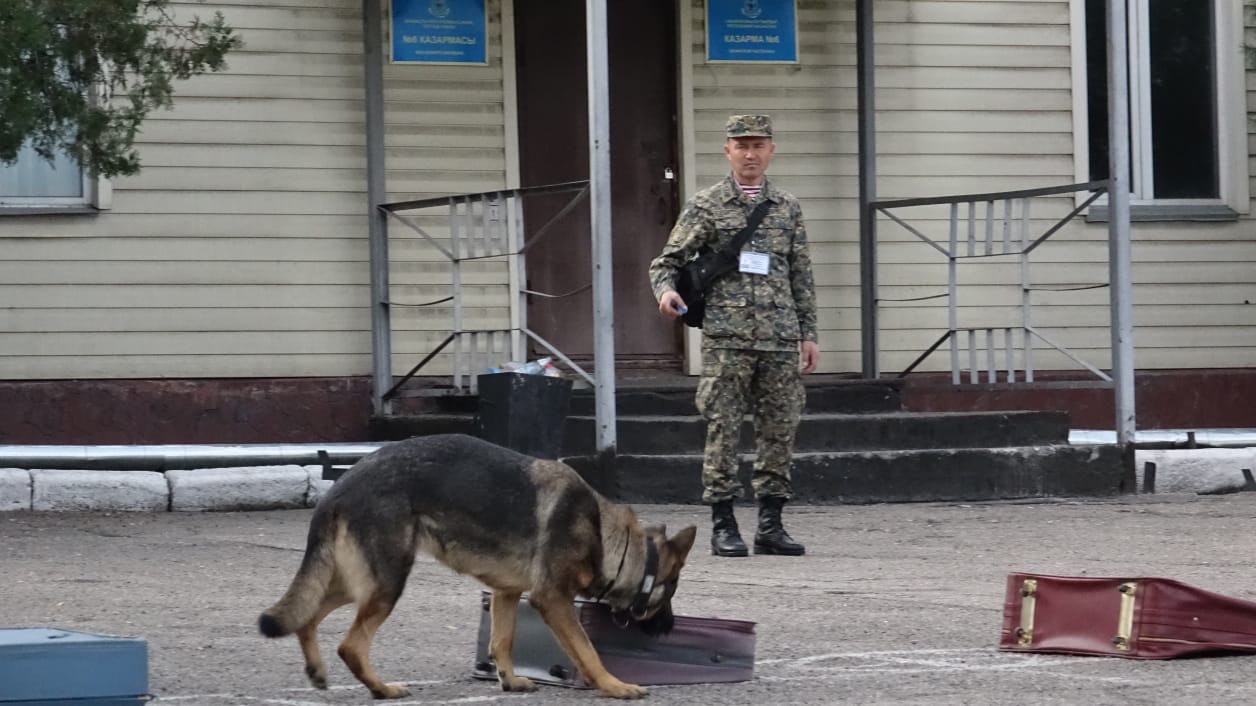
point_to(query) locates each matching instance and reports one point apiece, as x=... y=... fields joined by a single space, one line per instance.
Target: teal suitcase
x=47 y=667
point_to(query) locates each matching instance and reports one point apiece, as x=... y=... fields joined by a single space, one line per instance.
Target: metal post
x=376 y=191
x=600 y=212
x=952 y=296
x=866 y=87
x=459 y=245
x=1026 y=293
x=1120 y=289
x=517 y=266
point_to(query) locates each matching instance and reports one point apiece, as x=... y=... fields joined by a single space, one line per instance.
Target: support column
x=600 y=207
x=376 y=192
x=1120 y=288
x=866 y=89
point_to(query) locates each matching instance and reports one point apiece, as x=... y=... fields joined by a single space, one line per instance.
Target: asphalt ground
x=893 y=604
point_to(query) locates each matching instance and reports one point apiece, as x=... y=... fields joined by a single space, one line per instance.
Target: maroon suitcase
x=1137 y=618
x=697 y=651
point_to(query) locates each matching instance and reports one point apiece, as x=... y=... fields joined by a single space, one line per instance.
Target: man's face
x=750 y=157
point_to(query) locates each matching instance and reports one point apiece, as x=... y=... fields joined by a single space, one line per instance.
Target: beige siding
x=240 y=249
x=972 y=96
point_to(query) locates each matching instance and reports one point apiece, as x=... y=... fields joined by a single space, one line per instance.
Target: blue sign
x=439 y=31
x=752 y=30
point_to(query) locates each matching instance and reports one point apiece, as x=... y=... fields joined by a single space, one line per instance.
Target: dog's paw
x=391 y=691
x=318 y=677
x=620 y=690
x=516 y=683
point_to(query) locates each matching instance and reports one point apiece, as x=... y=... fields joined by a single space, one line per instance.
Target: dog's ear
x=683 y=541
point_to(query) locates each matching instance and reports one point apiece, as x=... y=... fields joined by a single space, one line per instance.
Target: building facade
x=222 y=294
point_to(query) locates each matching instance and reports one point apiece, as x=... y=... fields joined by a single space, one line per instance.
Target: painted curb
x=77 y=491
x=15 y=489
x=228 y=489
x=318 y=486
x=1196 y=470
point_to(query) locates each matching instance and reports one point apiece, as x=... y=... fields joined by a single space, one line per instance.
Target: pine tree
x=79 y=76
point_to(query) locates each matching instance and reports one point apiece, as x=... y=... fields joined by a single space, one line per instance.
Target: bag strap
x=752 y=224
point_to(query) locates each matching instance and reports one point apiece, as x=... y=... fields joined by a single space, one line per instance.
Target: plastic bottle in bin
x=535 y=367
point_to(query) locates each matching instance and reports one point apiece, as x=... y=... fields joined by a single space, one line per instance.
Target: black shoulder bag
x=695 y=276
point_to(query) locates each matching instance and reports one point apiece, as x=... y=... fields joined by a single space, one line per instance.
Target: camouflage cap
x=748 y=126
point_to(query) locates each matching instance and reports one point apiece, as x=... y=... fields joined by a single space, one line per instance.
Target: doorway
x=554 y=148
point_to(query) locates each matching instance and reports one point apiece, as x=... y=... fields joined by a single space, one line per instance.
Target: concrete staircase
x=855 y=445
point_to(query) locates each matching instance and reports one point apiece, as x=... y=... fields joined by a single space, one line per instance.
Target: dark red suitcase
x=1137 y=618
x=697 y=651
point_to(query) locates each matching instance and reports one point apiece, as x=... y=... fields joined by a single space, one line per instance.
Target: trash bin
x=523 y=412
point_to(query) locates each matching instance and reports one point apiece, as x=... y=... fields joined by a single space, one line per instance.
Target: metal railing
x=485 y=226
x=1008 y=214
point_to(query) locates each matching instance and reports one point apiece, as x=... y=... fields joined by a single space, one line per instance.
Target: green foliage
x=79 y=76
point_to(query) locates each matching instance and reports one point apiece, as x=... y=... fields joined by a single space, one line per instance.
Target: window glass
x=1097 y=87
x=1183 y=81
x=1178 y=75
x=32 y=177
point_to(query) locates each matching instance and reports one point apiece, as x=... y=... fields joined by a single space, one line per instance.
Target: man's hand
x=671 y=305
x=810 y=356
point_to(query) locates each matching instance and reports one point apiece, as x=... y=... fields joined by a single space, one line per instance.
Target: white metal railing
x=1007 y=214
x=485 y=226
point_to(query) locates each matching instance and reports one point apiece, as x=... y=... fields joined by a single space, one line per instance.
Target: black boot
x=772 y=537
x=725 y=539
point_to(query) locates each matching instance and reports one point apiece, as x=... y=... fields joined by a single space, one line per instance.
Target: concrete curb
x=226 y=489
x=286 y=487
x=318 y=487
x=1196 y=470
x=200 y=490
x=76 y=491
x=15 y=489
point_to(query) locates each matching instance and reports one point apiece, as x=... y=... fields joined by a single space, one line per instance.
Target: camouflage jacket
x=746 y=311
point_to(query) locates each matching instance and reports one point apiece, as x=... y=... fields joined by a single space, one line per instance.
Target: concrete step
x=676 y=399
x=660 y=434
x=858 y=477
x=394 y=427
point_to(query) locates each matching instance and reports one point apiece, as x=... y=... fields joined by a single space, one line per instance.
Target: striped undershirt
x=751 y=191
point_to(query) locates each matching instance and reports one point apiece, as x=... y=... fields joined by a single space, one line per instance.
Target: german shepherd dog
x=516 y=523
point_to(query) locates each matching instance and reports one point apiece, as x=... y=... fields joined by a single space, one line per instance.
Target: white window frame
x=1232 y=153
x=97 y=195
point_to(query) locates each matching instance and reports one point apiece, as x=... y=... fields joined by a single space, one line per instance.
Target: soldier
x=758 y=322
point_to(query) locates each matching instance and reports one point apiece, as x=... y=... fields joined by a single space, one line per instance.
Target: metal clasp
x=1125 y=619
x=1029 y=601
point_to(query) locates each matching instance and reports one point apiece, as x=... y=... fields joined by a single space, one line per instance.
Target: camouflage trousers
x=767 y=384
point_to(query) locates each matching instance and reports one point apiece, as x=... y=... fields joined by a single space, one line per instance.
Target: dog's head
x=652 y=608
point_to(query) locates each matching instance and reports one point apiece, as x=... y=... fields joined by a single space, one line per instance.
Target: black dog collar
x=642 y=600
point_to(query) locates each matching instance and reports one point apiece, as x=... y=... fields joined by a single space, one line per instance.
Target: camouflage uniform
x=752 y=330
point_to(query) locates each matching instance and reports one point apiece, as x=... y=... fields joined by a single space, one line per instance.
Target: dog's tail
x=299 y=605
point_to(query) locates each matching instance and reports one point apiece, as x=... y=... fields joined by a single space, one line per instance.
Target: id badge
x=755 y=263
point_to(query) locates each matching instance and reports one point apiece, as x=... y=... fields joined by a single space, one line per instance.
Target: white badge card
x=755 y=263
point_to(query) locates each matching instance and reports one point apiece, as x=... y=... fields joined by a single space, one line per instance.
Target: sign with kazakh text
x=438 y=31
x=752 y=30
